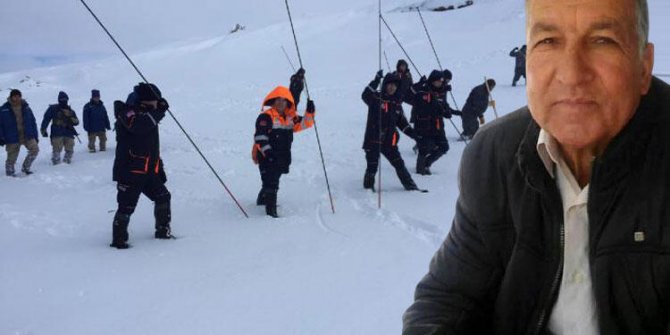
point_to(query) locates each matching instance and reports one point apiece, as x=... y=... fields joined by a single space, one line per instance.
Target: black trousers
x=470 y=125
x=393 y=156
x=270 y=176
x=433 y=147
x=518 y=73
x=152 y=187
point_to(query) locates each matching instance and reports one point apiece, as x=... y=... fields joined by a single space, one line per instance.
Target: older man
x=564 y=228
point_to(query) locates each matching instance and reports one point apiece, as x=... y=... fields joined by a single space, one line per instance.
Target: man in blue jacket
x=62 y=129
x=18 y=127
x=96 y=121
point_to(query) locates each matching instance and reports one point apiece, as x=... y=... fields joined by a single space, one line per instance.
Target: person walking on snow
x=520 y=64
x=430 y=107
x=96 y=121
x=63 y=119
x=385 y=109
x=273 y=139
x=18 y=127
x=138 y=167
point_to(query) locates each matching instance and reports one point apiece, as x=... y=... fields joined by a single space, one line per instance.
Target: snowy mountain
x=309 y=272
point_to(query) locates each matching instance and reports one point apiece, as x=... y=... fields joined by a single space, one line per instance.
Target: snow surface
x=310 y=272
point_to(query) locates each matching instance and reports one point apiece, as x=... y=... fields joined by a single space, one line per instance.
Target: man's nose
x=576 y=66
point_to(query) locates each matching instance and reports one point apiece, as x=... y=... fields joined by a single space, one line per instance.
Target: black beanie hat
x=62 y=96
x=447 y=74
x=147 y=92
x=435 y=75
x=391 y=78
x=95 y=94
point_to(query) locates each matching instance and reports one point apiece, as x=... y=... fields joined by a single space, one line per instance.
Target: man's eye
x=603 y=40
x=546 y=41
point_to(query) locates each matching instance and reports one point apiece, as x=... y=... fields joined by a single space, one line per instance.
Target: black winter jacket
x=429 y=108
x=477 y=103
x=137 y=144
x=499 y=270
x=392 y=117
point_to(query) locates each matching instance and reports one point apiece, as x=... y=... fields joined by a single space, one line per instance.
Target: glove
x=455 y=112
x=269 y=156
x=311 y=109
x=380 y=75
x=2 y=142
x=482 y=120
x=448 y=88
x=423 y=79
x=300 y=70
x=162 y=105
x=119 y=108
x=44 y=132
x=492 y=103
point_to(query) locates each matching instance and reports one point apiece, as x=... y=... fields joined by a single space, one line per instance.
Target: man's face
x=402 y=68
x=585 y=70
x=96 y=99
x=280 y=105
x=437 y=83
x=15 y=99
x=391 y=88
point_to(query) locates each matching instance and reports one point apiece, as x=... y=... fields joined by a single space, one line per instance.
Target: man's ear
x=647 y=67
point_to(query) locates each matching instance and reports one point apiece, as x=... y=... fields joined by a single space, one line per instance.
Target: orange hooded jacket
x=290 y=120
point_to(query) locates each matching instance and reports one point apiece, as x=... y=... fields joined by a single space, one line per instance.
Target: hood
x=435 y=75
x=279 y=92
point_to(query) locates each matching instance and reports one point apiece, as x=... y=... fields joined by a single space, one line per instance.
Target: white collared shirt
x=575 y=309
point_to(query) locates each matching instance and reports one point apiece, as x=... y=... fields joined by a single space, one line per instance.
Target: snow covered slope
x=310 y=272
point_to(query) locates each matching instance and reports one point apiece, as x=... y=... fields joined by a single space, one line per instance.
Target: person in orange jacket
x=272 y=142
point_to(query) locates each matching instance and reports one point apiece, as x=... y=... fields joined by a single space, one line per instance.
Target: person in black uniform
x=386 y=105
x=520 y=63
x=429 y=101
x=138 y=168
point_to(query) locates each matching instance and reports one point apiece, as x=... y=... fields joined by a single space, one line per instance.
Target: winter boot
x=421 y=165
x=68 y=157
x=55 y=158
x=369 y=181
x=271 y=203
x=406 y=179
x=27 y=163
x=120 y=231
x=163 y=218
x=9 y=170
x=260 y=200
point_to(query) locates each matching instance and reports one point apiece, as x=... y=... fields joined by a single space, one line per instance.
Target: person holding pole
x=63 y=119
x=138 y=167
x=385 y=110
x=478 y=101
x=273 y=139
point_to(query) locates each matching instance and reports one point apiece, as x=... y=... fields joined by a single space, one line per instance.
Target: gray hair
x=642 y=13
x=642 y=9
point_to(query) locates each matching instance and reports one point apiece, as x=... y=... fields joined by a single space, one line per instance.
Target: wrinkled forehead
x=618 y=16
